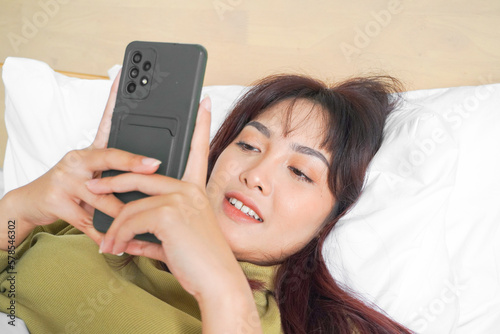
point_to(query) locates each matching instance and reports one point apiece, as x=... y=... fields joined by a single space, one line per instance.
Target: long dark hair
x=309 y=299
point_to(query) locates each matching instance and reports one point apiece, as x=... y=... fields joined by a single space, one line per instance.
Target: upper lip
x=247 y=201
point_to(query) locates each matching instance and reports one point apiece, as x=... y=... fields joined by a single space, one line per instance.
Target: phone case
x=155 y=112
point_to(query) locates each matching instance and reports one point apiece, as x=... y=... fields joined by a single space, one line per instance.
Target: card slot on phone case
x=167 y=123
x=159 y=132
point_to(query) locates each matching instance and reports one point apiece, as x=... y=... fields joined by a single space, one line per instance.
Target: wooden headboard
x=425 y=43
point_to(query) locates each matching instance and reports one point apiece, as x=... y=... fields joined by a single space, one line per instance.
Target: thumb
x=101 y=139
x=197 y=164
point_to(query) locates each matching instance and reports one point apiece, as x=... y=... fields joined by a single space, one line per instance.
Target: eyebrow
x=309 y=151
x=261 y=127
x=296 y=147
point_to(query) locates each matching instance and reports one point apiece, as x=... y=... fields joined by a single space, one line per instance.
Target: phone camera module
x=137 y=57
x=146 y=66
x=134 y=72
x=144 y=81
x=131 y=87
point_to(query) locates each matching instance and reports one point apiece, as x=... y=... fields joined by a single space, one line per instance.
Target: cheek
x=225 y=170
x=301 y=216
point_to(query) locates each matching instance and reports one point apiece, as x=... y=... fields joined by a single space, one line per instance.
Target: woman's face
x=269 y=191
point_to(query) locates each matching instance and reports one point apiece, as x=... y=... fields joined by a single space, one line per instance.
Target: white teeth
x=243 y=208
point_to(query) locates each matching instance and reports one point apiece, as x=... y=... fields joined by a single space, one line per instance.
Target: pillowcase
x=423 y=240
x=63 y=113
x=40 y=127
x=422 y=243
x=391 y=248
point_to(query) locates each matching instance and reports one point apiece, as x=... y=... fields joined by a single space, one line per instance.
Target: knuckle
x=59 y=171
x=109 y=154
x=73 y=158
x=192 y=190
x=52 y=196
x=127 y=209
x=164 y=212
x=127 y=158
x=176 y=198
x=95 y=199
x=111 y=150
x=58 y=178
x=198 y=197
x=83 y=223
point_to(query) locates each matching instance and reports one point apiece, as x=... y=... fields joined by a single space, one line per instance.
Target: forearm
x=13 y=229
x=231 y=310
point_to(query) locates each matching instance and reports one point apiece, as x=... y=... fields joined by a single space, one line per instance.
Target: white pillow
x=422 y=243
x=48 y=114
x=423 y=240
x=391 y=247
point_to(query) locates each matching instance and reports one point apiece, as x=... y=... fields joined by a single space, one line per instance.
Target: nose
x=258 y=176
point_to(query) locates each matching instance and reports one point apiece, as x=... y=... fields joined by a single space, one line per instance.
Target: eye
x=301 y=176
x=247 y=147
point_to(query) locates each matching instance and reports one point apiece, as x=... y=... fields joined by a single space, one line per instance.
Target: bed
x=423 y=243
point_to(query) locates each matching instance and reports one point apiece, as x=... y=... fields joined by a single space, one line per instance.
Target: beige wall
x=427 y=43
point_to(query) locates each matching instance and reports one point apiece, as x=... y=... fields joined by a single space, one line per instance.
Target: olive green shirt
x=59 y=283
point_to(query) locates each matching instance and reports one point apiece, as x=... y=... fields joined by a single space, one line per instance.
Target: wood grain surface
x=427 y=44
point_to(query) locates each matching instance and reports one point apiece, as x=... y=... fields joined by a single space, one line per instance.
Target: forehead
x=296 y=118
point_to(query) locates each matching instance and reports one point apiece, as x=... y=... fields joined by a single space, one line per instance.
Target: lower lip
x=236 y=215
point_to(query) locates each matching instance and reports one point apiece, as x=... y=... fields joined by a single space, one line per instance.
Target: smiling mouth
x=243 y=208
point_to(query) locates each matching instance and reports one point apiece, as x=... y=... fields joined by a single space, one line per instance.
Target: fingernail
x=207 y=103
x=120 y=254
x=101 y=246
x=151 y=162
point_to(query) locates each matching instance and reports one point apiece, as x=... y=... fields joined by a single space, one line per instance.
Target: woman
x=286 y=164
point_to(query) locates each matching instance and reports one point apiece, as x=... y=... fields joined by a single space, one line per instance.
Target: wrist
x=229 y=307
x=223 y=278
x=13 y=227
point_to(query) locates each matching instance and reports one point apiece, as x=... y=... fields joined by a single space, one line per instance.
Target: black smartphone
x=155 y=112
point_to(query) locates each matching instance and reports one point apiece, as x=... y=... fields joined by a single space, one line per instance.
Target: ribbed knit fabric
x=63 y=285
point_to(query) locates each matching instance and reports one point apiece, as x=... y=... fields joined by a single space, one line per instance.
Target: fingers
x=78 y=167
x=72 y=213
x=108 y=203
x=193 y=198
x=186 y=197
x=144 y=248
x=101 y=139
x=174 y=202
x=115 y=159
x=102 y=189
x=151 y=184
x=126 y=226
x=197 y=164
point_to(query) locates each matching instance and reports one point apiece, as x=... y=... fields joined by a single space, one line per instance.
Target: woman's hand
x=61 y=192
x=178 y=213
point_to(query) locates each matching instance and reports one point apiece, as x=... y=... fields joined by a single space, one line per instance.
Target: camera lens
x=131 y=87
x=144 y=81
x=146 y=66
x=137 y=57
x=134 y=72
